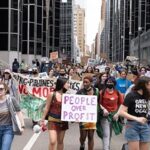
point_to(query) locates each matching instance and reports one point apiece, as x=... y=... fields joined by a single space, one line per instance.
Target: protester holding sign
x=86 y=128
x=110 y=101
x=56 y=127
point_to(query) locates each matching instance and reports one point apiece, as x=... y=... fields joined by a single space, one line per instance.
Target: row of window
x=13 y=42
x=5 y=3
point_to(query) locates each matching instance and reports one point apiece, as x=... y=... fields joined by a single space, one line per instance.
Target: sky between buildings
x=92 y=18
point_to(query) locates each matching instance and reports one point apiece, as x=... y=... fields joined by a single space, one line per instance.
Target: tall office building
x=32 y=41
x=140 y=29
x=33 y=28
x=54 y=26
x=101 y=30
x=79 y=24
x=66 y=49
x=10 y=29
x=127 y=25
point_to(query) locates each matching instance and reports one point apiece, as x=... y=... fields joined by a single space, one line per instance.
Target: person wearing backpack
x=110 y=101
x=15 y=65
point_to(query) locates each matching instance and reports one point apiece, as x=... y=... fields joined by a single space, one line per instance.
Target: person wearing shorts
x=56 y=127
x=135 y=110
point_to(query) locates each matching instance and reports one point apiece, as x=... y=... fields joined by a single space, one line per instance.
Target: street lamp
x=123 y=51
x=139 y=44
x=139 y=32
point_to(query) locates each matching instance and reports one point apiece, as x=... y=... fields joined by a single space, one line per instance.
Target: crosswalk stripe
x=31 y=142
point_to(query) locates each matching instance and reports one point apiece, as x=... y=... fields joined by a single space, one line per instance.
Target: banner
x=34 y=91
x=79 y=108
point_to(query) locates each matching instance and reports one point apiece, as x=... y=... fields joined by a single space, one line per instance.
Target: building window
x=31 y=48
x=3 y=42
x=39 y=31
x=25 y=1
x=13 y=42
x=31 y=31
x=14 y=20
x=24 y=47
x=39 y=48
x=25 y=31
x=25 y=13
x=39 y=15
x=32 y=8
x=3 y=3
x=14 y=4
x=39 y=2
x=32 y=1
x=4 y=21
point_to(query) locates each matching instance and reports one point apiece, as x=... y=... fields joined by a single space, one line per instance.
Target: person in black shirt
x=15 y=65
x=135 y=110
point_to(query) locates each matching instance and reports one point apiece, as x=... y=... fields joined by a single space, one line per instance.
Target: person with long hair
x=135 y=110
x=110 y=101
x=100 y=84
x=56 y=127
x=6 y=129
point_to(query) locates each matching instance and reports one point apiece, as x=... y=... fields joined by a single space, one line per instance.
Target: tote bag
x=16 y=124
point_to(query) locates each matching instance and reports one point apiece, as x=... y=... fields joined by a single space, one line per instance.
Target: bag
x=16 y=124
x=125 y=146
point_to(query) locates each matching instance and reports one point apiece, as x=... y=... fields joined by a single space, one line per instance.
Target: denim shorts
x=137 y=132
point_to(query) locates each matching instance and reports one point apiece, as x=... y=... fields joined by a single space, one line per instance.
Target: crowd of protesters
x=121 y=91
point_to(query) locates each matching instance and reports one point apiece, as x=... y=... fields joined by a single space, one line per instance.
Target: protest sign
x=54 y=55
x=34 y=91
x=79 y=108
x=43 y=75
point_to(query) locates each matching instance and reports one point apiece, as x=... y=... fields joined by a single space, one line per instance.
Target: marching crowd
x=123 y=95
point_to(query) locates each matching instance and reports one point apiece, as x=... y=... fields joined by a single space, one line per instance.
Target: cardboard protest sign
x=79 y=108
x=43 y=75
x=54 y=55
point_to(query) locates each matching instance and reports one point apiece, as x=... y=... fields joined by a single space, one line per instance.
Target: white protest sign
x=79 y=108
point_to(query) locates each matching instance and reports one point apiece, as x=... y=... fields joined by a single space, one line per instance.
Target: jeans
x=6 y=137
x=107 y=133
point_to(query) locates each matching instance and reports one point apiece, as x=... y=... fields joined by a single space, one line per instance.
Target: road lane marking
x=32 y=141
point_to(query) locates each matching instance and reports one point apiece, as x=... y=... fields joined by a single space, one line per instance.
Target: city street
x=71 y=140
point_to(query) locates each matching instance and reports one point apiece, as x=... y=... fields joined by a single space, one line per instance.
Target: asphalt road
x=71 y=142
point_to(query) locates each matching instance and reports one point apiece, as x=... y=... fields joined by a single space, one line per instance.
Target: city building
x=126 y=22
x=140 y=30
x=10 y=30
x=66 y=47
x=34 y=28
x=54 y=26
x=79 y=27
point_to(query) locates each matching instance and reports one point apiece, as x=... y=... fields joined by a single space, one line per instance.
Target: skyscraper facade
x=32 y=40
x=125 y=20
x=10 y=29
x=66 y=51
x=79 y=27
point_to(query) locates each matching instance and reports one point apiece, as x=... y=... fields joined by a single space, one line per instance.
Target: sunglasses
x=1 y=89
x=6 y=73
